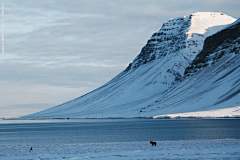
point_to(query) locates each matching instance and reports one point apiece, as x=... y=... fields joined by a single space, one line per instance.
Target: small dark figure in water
x=153 y=143
x=30 y=149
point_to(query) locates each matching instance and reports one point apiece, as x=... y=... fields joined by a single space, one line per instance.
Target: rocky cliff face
x=178 y=42
x=164 y=41
x=151 y=85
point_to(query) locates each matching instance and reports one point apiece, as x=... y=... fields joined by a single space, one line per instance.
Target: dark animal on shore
x=153 y=143
x=30 y=149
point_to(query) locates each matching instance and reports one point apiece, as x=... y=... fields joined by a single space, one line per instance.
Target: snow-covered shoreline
x=180 y=149
x=233 y=112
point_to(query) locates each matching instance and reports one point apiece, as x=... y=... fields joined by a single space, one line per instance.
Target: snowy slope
x=150 y=85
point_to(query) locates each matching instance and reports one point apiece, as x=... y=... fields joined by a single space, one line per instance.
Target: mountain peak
x=208 y=23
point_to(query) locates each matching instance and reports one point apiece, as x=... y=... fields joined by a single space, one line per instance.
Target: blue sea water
x=44 y=132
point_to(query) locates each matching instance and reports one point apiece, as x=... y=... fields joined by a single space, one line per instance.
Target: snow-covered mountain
x=176 y=72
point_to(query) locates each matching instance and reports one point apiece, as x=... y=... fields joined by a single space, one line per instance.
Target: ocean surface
x=42 y=132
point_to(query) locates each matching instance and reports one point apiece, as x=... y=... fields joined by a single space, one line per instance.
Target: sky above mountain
x=58 y=50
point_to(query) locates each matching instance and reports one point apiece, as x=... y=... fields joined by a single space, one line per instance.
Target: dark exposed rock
x=162 y=42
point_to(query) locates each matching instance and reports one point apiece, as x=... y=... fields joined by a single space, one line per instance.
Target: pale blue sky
x=57 y=50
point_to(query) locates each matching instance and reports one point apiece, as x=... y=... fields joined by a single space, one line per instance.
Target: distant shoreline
x=125 y=118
